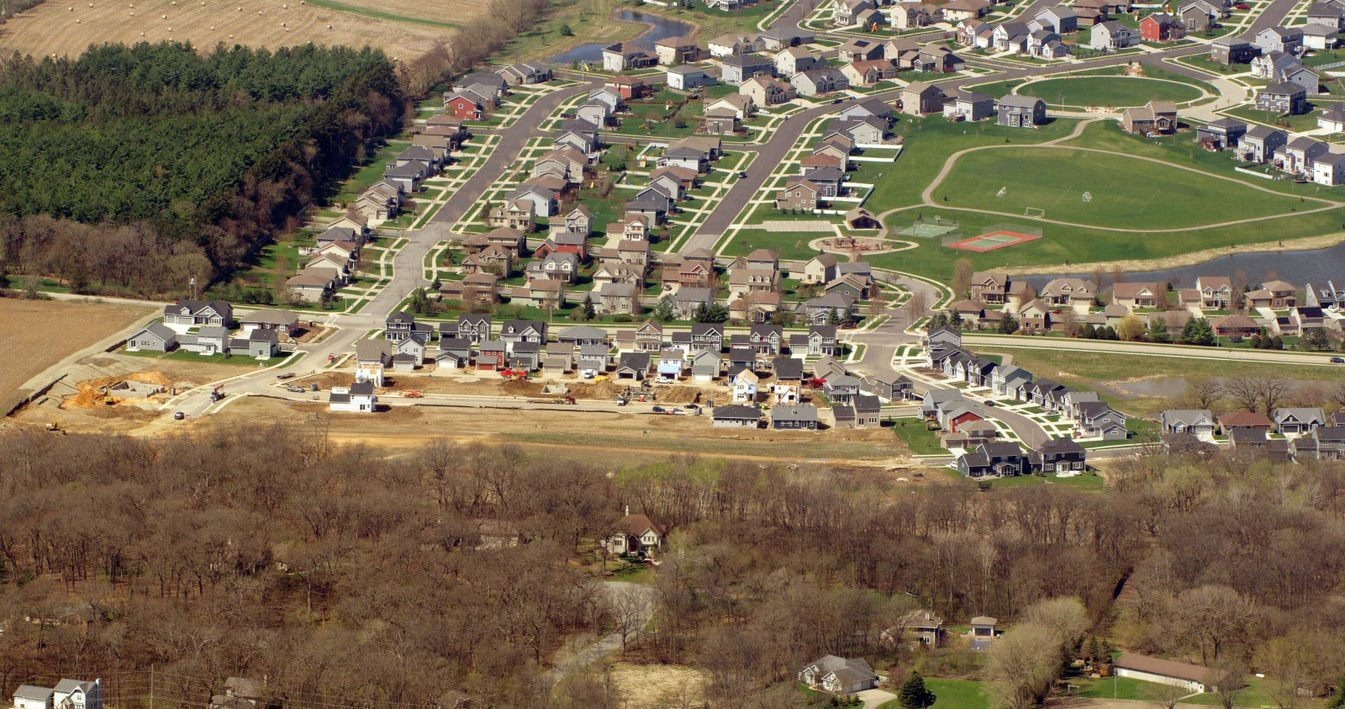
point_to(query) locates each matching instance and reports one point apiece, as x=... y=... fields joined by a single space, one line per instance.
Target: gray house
x=1280 y=39
x=1060 y=18
x=156 y=337
x=1284 y=98
x=1259 y=144
x=740 y=67
x=1193 y=422
x=1016 y=111
x=801 y=417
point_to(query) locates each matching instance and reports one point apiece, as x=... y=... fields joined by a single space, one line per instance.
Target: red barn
x=1160 y=27
x=465 y=108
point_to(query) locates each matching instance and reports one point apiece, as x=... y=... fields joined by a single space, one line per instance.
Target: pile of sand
x=597 y=390
x=92 y=392
x=521 y=387
x=679 y=394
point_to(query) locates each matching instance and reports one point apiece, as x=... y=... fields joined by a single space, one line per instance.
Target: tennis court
x=992 y=240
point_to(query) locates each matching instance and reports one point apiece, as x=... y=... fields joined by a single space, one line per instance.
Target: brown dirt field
x=658 y=685
x=26 y=326
x=66 y=27
x=598 y=437
x=450 y=12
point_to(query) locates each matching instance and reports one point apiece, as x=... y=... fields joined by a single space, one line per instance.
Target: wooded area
x=129 y=168
x=349 y=575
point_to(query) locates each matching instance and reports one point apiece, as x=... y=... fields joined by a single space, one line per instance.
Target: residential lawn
x=917 y=436
x=790 y=246
x=1302 y=122
x=371 y=171
x=1086 y=481
x=957 y=693
x=1125 y=192
x=1090 y=369
x=185 y=356
x=997 y=89
x=1114 y=91
x=1255 y=694
x=1119 y=688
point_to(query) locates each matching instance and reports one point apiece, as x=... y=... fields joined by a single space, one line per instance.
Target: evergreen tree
x=1158 y=331
x=1198 y=332
x=913 y=693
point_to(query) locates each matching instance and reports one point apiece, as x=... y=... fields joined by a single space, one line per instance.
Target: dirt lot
x=26 y=326
x=78 y=407
x=658 y=685
x=64 y=27
x=597 y=437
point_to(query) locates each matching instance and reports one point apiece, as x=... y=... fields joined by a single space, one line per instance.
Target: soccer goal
x=1034 y=212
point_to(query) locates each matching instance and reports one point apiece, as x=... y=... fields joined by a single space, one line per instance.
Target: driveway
x=875 y=697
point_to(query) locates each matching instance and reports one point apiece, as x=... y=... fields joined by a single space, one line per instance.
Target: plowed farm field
x=404 y=29
x=35 y=334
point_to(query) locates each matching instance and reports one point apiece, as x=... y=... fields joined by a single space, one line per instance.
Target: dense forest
x=130 y=169
x=351 y=576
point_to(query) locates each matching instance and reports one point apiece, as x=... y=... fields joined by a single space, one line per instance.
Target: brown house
x=798 y=195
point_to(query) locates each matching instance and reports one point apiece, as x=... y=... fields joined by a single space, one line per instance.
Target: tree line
x=350 y=575
x=196 y=160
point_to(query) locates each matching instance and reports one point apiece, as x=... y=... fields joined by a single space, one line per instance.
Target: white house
x=1193 y=678
x=29 y=697
x=357 y=398
x=745 y=386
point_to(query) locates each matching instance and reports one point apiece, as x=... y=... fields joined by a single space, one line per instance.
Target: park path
x=927 y=197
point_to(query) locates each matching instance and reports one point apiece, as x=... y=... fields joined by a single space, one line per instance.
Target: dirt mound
x=93 y=392
x=327 y=380
x=521 y=387
x=678 y=394
x=596 y=390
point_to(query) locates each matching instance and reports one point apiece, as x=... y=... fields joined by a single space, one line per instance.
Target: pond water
x=1297 y=267
x=659 y=28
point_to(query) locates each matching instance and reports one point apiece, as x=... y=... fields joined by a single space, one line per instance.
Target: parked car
x=286 y=375
x=179 y=416
x=658 y=409
x=1338 y=360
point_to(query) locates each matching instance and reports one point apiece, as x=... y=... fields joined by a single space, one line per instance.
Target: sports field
x=1115 y=91
x=992 y=240
x=1102 y=189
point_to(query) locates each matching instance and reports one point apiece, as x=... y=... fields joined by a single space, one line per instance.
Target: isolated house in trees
x=635 y=534
x=839 y=675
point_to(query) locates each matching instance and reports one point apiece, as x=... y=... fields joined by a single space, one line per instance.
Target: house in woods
x=839 y=675
x=67 y=694
x=635 y=534
x=924 y=627
x=983 y=631
x=1193 y=678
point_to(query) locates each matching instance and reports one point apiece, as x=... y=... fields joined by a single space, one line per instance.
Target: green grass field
x=917 y=436
x=952 y=694
x=1115 y=91
x=1125 y=192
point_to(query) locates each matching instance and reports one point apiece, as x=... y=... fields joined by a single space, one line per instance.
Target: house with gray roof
x=1194 y=422
x=1298 y=420
x=839 y=675
x=156 y=337
x=800 y=417
x=1260 y=143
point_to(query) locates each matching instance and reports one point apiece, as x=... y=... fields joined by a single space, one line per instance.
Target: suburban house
x=1112 y=35
x=1300 y=420
x=1279 y=39
x=1276 y=295
x=184 y=315
x=990 y=287
x=1138 y=295
x=1017 y=111
x=998 y=459
x=1260 y=144
x=1245 y=420
x=919 y=99
x=1222 y=134
x=740 y=67
x=1285 y=98
x=963 y=105
x=1154 y=117
x=357 y=398
x=839 y=675
x=1324 y=443
x=737 y=416
x=1059 y=456
x=619 y=57
x=1194 y=422
x=1162 y=27
x=156 y=337
x=1233 y=50
x=798 y=417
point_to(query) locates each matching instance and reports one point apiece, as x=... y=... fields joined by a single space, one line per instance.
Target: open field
x=1114 y=91
x=53 y=28
x=1122 y=192
x=595 y=437
x=32 y=343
